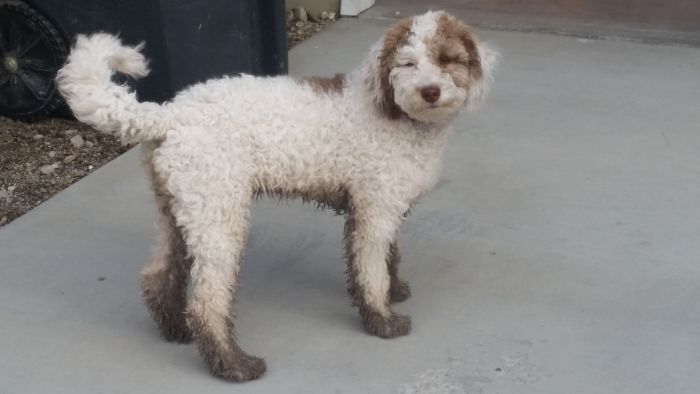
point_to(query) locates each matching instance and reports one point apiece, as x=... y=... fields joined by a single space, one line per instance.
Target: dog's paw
x=246 y=368
x=241 y=367
x=234 y=366
x=399 y=291
x=394 y=326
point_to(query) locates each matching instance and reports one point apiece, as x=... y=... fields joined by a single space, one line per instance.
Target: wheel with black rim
x=31 y=50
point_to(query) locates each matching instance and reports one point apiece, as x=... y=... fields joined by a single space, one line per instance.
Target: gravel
x=300 y=25
x=38 y=160
x=77 y=141
x=32 y=169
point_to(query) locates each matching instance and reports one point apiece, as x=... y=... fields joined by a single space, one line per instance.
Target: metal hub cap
x=10 y=64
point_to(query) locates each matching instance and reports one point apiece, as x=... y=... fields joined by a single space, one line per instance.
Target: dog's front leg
x=368 y=234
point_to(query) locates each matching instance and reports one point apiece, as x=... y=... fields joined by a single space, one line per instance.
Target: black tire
x=31 y=52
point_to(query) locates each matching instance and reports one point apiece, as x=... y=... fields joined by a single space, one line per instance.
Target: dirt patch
x=38 y=160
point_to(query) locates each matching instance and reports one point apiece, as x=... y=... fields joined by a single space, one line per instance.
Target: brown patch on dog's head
x=427 y=68
x=454 y=49
x=394 y=39
x=324 y=85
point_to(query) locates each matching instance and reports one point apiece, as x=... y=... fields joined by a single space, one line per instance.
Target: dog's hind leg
x=368 y=234
x=164 y=279
x=399 y=290
x=214 y=212
x=217 y=244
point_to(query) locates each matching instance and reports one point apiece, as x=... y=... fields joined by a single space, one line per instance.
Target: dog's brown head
x=428 y=67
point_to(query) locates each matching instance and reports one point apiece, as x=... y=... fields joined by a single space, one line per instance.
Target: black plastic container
x=187 y=41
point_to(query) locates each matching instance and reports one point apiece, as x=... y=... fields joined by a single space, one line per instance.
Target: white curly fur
x=222 y=140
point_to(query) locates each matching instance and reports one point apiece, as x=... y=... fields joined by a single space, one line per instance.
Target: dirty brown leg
x=217 y=248
x=164 y=279
x=213 y=212
x=399 y=290
x=367 y=247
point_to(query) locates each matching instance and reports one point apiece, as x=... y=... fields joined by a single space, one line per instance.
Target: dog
x=367 y=144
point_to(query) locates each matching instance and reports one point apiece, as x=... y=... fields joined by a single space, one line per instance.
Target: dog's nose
x=430 y=93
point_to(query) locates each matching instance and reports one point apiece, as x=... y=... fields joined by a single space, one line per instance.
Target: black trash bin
x=187 y=41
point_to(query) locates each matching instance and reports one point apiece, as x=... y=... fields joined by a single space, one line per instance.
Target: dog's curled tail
x=85 y=81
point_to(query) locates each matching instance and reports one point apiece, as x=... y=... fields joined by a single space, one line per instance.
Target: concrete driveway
x=559 y=254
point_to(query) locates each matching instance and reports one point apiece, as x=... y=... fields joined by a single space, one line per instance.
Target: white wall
x=354 y=7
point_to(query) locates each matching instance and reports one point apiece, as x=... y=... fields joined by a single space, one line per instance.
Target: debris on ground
x=32 y=168
x=302 y=25
x=77 y=141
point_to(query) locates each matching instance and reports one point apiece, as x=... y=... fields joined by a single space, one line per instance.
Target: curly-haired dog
x=367 y=144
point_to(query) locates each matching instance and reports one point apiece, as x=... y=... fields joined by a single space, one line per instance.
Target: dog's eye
x=407 y=64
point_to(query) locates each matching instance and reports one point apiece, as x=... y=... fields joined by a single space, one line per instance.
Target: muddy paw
x=394 y=326
x=248 y=368
x=239 y=368
x=399 y=291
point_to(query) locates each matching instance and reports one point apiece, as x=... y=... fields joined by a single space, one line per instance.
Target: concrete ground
x=674 y=22
x=559 y=254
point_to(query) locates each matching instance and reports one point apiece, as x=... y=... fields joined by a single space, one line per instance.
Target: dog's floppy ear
x=482 y=59
x=488 y=59
x=378 y=68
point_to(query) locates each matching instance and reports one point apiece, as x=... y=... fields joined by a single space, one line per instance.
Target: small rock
x=313 y=18
x=70 y=131
x=69 y=158
x=37 y=137
x=11 y=187
x=300 y=14
x=324 y=15
x=90 y=167
x=52 y=154
x=77 y=141
x=299 y=24
x=89 y=144
x=331 y=16
x=49 y=168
